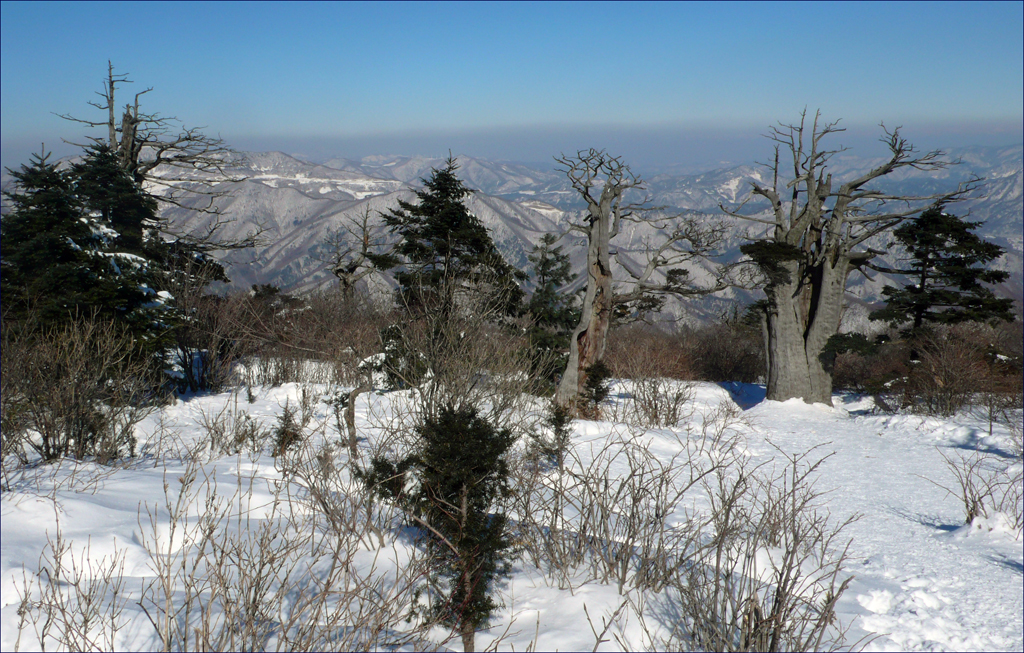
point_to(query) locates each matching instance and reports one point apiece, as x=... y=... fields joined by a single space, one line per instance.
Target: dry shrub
x=988 y=486
x=942 y=371
x=471 y=358
x=15 y=368
x=768 y=571
x=610 y=513
x=339 y=330
x=206 y=344
x=318 y=338
x=76 y=602
x=731 y=349
x=870 y=373
x=643 y=351
x=587 y=522
x=231 y=431
x=651 y=363
x=949 y=369
x=77 y=390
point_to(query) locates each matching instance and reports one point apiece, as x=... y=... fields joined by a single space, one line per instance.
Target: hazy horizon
x=652 y=149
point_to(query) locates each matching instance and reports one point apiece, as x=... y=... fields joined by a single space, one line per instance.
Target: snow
x=921 y=579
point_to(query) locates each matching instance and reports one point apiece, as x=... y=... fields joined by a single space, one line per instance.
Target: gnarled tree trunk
x=587 y=344
x=801 y=317
x=602 y=180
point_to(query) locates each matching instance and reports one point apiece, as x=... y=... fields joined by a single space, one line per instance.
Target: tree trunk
x=801 y=318
x=350 y=416
x=467 y=622
x=468 y=634
x=587 y=344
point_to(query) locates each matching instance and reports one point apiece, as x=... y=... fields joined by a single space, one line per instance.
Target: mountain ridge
x=300 y=202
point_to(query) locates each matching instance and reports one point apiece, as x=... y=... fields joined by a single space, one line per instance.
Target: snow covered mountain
x=299 y=202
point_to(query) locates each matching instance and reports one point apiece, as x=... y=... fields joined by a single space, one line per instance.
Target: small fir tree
x=946 y=269
x=554 y=444
x=463 y=475
x=553 y=311
x=596 y=388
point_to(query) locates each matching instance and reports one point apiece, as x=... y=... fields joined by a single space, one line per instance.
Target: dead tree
x=176 y=165
x=817 y=235
x=602 y=181
x=182 y=162
x=353 y=250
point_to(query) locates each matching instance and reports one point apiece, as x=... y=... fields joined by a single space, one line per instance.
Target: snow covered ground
x=921 y=579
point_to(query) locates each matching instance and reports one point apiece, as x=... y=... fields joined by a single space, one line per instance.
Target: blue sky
x=520 y=81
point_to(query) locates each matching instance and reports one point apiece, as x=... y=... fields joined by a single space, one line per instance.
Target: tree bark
x=587 y=344
x=350 y=417
x=801 y=317
x=467 y=624
x=602 y=181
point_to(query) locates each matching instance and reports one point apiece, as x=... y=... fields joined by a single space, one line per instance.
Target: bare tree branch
x=818 y=230
x=603 y=181
x=176 y=165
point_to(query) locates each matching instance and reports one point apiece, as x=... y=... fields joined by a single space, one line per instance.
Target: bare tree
x=354 y=248
x=179 y=165
x=817 y=236
x=602 y=181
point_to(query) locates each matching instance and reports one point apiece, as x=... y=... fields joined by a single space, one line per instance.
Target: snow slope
x=921 y=579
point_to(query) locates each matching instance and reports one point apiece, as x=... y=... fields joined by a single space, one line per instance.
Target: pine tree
x=44 y=247
x=444 y=244
x=114 y=198
x=946 y=272
x=464 y=474
x=548 y=306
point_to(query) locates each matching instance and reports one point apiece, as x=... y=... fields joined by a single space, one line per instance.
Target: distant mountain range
x=299 y=202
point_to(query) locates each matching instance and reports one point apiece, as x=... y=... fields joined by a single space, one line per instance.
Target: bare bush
x=654 y=397
x=234 y=575
x=319 y=338
x=469 y=358
x=78 y=390
x=659 y=350
x=987 y=486
x=613 y=513
x=878 y=373
x=730 y=349
x=73 y=602
x=768 y=570
x=13 y=418
x=951 y=370
x=944 y=371
x=231 y=431
x=205 y=345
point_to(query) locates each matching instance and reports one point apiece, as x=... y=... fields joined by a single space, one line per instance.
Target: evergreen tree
x=946 y=272
x=553 y=311
x=549 y=307
x=462 y=471
x=443 y=244
x=114 y=198
x=73 y=246
x=44 y=247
